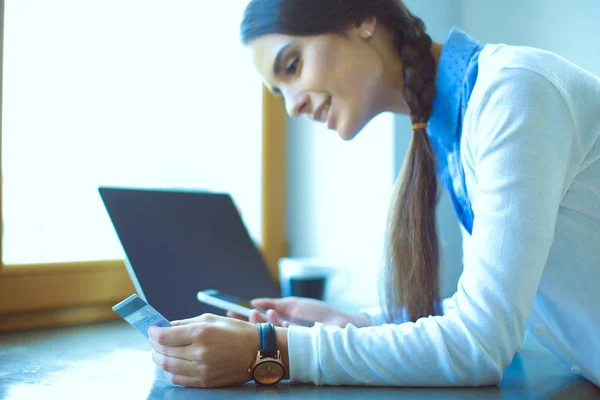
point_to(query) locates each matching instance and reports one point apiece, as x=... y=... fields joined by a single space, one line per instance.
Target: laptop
x=178 y=242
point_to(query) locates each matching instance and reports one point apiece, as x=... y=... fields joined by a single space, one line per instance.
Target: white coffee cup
x=304 y=277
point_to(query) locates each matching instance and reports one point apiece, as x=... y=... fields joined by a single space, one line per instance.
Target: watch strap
x=268 y=340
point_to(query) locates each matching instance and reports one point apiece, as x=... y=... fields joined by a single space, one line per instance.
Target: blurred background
x=154 y=94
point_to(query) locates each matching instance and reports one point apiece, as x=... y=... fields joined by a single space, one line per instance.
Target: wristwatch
x=268 y=368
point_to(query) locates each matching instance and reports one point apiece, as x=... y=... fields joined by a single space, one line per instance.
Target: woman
x=512 y=133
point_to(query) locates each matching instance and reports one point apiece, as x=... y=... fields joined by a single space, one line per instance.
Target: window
x=126 y=93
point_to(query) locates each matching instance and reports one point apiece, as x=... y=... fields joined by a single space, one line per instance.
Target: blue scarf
x=455 y=79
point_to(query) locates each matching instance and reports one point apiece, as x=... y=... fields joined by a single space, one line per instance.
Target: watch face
x=268 y=372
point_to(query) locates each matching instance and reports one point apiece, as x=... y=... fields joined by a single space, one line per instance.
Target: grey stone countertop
x=113 y=361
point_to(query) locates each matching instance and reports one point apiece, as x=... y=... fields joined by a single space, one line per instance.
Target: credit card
x=140 y=314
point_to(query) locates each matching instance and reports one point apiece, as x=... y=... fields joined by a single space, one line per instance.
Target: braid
x=413 y=258
x=419 y=71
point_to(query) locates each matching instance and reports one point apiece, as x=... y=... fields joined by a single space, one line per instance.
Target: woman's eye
x=292 y=66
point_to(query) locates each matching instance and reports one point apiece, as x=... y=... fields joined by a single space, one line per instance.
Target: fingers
x=275 y=308
x=268 y=303
x=182 y=334
x=186 y=321
x=233 y=315
x=181 y=352
x=174 y=365
x=255 y=317
x=207 y=317
x=183 y=380
x=273 y=318
x=188 y=381
x=172 y=336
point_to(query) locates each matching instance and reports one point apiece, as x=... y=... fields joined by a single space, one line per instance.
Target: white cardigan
x=531 y=157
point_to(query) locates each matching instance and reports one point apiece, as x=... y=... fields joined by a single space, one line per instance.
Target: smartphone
x=241 y=306
x=140 y=314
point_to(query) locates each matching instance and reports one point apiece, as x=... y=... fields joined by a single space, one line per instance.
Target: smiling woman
x=512 y=132
x=334 y=64
x=85 y=105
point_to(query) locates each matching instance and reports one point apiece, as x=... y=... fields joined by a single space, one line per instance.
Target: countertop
x=113 y=361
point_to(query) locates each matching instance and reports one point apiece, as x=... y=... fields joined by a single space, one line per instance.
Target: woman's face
x=331 y=78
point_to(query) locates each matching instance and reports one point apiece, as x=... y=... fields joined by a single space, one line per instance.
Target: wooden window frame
x=59 y=294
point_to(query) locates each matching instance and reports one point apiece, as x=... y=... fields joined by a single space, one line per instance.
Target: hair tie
x=421 y=125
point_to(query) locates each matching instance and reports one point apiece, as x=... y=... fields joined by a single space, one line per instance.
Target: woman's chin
x=346 y=132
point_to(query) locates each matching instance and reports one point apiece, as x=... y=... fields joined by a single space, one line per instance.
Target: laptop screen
x=179 y=242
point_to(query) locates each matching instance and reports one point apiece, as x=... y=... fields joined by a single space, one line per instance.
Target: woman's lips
x=330 y=117
x=322 y=111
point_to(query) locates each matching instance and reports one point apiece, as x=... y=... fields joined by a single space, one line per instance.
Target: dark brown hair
x=411 y=272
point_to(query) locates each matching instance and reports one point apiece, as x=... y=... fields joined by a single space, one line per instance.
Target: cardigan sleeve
x=378 y=317
x=522 y=140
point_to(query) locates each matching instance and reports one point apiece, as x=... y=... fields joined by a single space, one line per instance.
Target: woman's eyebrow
x=278 y=65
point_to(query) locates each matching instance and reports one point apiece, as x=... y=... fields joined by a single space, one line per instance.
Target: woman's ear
x=366 y=28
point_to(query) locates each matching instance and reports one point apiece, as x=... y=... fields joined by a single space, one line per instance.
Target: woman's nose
x=298 y=105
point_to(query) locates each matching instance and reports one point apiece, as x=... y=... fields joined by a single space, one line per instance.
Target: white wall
x=339 y=192
x=570 y=29
x=337 y=200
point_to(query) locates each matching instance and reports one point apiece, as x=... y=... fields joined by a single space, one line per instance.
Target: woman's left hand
x=207 y=351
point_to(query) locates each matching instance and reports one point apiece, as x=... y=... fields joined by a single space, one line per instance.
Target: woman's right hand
x=301 y=308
